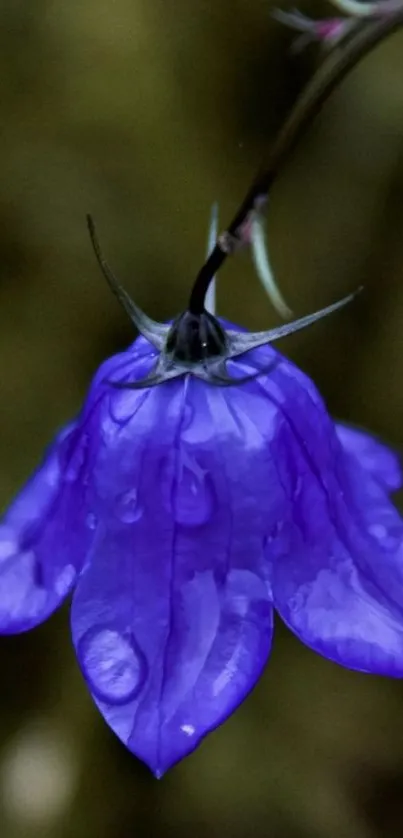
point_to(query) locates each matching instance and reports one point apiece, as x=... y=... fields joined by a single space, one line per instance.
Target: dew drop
x=188 y=729
x=382 y=534
x=113 y=664
x=8 y=543
x=128 y=507
x=65 y=580
x=76 y=461
x=21 y=595
x=194 y=497
x=378 y=530
x=91 y=521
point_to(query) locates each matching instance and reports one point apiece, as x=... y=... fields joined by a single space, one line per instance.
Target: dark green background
x=144 y=112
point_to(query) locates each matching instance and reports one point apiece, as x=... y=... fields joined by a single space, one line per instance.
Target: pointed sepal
x=155 y=332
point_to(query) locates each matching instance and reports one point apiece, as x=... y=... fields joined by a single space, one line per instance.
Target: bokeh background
x=144 y=112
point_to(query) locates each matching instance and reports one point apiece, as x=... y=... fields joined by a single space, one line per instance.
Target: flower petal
x=172 y=619
x=339 y=583
x=41 y=538
x=325 y=591
x=46 y=533
x=382 y=462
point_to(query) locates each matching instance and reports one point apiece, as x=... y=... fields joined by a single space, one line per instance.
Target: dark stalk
x=330 y=74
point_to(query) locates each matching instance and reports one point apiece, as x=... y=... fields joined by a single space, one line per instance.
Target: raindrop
x=194 y=496
x=113 y=664
x=378 y=530
x=76 y=461
x=188 y=729
x=382 y=534
x=128 y=507
x=8 y=543
x=91 y=521
x=65 y=580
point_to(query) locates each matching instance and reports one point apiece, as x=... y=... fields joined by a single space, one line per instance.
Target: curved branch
x=329 y=75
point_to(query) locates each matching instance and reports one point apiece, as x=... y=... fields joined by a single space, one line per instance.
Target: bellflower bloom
x=183 y=514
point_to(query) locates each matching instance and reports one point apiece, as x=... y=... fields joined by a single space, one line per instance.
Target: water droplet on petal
x=91 y=521
x=188 y=729
x=21 y=593
x=194 y=496
x=8 y=543
x=76 y=460
x=113 y=664
x=65 y=580
x=243 y=590
x=128 y=507
x=384 y=536
x=378 y=530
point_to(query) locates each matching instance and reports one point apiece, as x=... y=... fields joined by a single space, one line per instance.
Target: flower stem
x=330 y=74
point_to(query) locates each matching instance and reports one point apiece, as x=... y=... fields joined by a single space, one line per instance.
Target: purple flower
x=182 y=514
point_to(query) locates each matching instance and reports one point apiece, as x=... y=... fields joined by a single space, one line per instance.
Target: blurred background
x=144 y=112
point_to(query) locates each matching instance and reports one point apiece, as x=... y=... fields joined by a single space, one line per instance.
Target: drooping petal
x=324 y=586
x=46 y=533
x=40 y=538
x=339 y=583
x=171 y=618
x=383 y=463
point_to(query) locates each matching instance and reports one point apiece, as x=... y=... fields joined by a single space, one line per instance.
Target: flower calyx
x=196 y=343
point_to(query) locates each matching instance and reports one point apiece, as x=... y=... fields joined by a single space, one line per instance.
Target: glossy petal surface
x=326 y=591
x=46 y=533
x=172 y=618
x=339 y=583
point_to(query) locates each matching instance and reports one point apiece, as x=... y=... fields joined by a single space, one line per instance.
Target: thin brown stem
x=330 y=74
